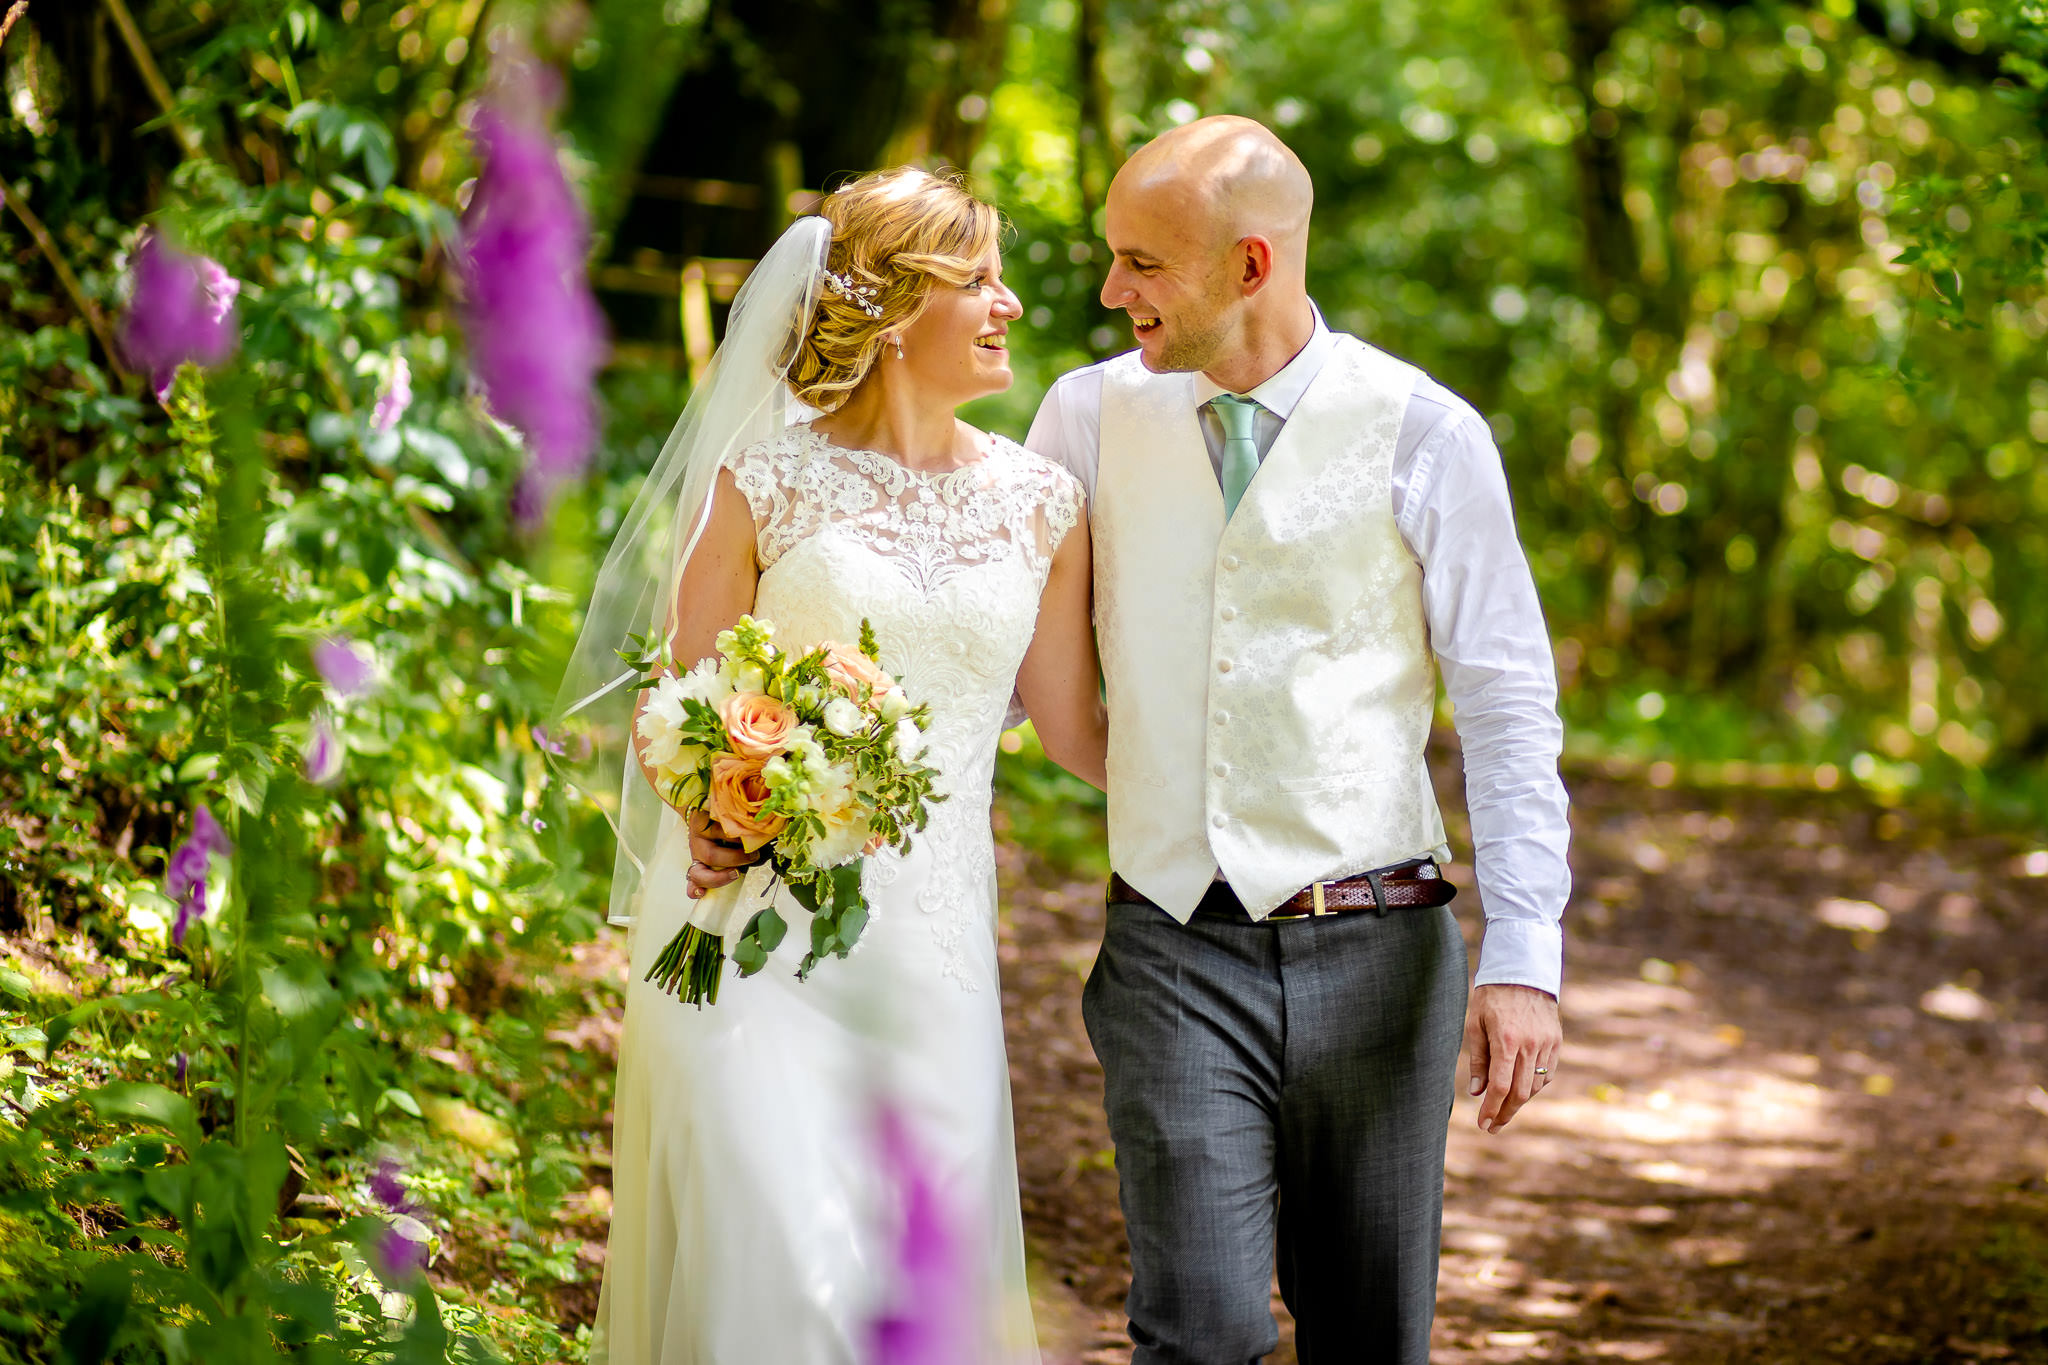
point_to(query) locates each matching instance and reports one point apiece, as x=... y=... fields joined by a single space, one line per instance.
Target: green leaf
x=88 y=1335
x=198 y=767
x=851 y=923
x=824 y=936
x=297 y=994
x=426 y=1339
x=769 y=928
x=15 y=984
x=399 y=1099
x=748 y=955
x=145 y=1103
x=846 y=887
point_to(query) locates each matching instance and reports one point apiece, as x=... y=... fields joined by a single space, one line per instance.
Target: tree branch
x=86 y=308
x=152 y=77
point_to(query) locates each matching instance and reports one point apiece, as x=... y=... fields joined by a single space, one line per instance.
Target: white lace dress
x=746 y=1224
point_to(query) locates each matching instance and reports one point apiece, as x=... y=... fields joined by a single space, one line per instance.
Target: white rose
x=843 y=718
x=909 y=740
x=893 y=706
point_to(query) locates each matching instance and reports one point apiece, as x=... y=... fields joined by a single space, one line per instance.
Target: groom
x=1288 y=525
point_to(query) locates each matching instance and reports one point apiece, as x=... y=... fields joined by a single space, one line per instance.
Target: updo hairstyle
x=902 y=233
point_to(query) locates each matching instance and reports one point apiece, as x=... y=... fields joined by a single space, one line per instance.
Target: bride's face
x=959 y=349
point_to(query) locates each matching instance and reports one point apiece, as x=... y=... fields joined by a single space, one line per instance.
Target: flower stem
x=693 y=961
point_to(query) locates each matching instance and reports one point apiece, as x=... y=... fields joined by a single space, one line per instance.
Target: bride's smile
x=958 y=349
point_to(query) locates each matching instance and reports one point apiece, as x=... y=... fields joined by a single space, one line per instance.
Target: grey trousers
x=1280 y=1089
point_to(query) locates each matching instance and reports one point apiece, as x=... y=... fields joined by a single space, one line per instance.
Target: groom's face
x=1174 y=280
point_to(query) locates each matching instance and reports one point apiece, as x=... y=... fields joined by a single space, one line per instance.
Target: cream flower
x=661 y=722
x=909 y=740
x=843 y=718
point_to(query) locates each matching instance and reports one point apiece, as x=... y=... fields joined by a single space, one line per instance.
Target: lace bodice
x=948 y=568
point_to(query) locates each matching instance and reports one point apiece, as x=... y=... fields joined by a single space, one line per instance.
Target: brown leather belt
x=1413 y=885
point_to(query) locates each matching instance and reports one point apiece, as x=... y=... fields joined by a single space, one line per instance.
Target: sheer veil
x=742 y=399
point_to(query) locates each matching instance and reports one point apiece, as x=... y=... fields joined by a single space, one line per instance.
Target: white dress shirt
x=1451 y=504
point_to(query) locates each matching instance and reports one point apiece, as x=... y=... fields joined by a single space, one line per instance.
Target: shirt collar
x=1279 y=394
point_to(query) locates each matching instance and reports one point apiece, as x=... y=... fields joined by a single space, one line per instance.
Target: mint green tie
x=1240 y=450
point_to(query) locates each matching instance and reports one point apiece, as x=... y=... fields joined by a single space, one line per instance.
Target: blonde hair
x=901 y=233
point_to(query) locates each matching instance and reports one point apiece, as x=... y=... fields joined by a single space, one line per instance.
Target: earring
x=899 y=348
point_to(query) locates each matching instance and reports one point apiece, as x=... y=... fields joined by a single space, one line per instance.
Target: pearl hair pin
x=861 y=296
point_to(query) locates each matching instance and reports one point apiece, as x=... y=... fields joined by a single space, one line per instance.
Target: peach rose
x=758 y=725
x=851 y=669
x=738 y=791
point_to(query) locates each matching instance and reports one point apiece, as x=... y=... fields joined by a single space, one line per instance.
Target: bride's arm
x=1060 y=682
x=717 y=588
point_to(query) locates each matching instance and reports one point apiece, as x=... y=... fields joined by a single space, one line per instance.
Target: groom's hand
x=1510 y=1032
x=714 y=861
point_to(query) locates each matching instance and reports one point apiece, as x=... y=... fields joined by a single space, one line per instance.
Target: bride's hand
x=715 y=862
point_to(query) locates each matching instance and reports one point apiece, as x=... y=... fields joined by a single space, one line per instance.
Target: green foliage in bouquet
x=812 y=757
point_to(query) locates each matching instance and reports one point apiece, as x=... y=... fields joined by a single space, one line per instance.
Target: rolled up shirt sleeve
x=1486 y=627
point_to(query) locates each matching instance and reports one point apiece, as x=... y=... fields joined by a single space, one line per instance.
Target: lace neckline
x=930 y=476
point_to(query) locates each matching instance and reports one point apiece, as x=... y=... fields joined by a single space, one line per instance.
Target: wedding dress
x=748 y=1226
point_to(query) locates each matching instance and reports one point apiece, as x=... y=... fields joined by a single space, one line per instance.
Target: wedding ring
x=1543 y=1071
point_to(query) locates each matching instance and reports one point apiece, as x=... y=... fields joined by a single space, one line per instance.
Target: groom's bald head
x=1228 y=177
x=1208 y=235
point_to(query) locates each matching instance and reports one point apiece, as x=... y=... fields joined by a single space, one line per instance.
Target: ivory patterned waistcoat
x=1270 y=681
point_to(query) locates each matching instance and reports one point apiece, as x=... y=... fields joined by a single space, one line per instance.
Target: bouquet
x=812 y=757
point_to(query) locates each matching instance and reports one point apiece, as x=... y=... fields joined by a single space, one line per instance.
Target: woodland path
x=1802 y=1114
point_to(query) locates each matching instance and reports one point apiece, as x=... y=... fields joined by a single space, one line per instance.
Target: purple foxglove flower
x=323 y=754
x=536 y=336
x=184 y=1063
x=346 y=673
x=931 y=1315
x=180 y=308
x=547 y=743
x=394 y=398
x=386 y=1190
x=185 y=878
x=397 y=1258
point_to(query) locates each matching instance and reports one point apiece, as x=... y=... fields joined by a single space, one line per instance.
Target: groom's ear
x=1255 y=257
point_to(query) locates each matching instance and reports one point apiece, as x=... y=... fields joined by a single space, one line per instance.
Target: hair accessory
x=861 y=296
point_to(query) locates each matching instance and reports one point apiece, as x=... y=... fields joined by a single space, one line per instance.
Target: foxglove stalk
x=396 y=1253
x=932 y=1300
x=536 y=337
x=185 y=879
x=323 y=754
x=180 y=308
x=346 y=673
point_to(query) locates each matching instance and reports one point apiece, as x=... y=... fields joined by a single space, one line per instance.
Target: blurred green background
x=1751 y=294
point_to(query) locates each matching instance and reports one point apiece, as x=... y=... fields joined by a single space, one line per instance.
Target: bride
x=747 y=1228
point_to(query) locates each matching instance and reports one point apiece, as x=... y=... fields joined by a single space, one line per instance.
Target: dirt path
x=1802 y=1116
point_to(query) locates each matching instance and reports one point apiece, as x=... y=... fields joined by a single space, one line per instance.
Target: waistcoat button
x=1223 y=665
x=1220 y=770
x=1228 y=613
x=1223 y=718
x=1218 y=821
x=1230 y=561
